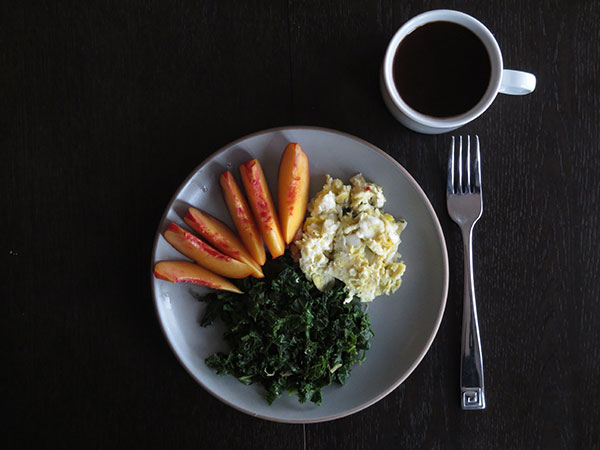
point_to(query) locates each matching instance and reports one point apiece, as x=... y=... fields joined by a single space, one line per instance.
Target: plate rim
x=438 y=229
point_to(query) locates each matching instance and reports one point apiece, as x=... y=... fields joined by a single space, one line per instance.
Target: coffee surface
x=441 y=69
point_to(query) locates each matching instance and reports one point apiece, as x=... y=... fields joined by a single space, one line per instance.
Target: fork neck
x=467 y=232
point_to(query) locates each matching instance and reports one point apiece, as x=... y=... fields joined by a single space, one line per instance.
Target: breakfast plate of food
x=299 y=274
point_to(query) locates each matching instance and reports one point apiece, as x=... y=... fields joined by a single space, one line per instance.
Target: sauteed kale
x=287 y=335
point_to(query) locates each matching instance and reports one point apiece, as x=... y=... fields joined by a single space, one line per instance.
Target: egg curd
x=350 y=238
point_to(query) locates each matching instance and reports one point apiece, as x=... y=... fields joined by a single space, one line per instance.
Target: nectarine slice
x=292 y=193
x=205 y=255
x=187 y=272
x=242 y=217
x=262 y=206
x=219 y=235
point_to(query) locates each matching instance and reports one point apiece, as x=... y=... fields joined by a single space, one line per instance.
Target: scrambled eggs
x=349 y=237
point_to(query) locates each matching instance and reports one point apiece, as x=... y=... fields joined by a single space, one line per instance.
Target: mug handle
x=515 y=82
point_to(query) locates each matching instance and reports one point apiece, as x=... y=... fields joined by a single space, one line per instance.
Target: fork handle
x=471 y=361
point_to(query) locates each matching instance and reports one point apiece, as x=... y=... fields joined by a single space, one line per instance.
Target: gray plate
x=405 y=323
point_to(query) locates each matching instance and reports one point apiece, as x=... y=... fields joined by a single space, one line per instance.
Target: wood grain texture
x=107 y=106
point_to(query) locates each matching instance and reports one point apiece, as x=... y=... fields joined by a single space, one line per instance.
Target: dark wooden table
x=107 y=106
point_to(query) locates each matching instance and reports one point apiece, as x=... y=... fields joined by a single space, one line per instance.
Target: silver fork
x=465 y=205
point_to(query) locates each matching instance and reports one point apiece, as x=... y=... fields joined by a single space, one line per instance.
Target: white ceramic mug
x=502 y=80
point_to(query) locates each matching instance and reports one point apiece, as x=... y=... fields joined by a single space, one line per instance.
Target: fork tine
x=477 y=166
x=468 y=165
x=460 y=167
x=450 y=183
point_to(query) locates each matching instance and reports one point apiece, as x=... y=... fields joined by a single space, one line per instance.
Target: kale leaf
x=287 y=335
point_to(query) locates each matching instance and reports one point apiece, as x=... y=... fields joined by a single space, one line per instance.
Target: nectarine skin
x=205 y=255
x=242 y=217
x=293 y=187
x=262 y=206
x=187 y=272
x=219 y=235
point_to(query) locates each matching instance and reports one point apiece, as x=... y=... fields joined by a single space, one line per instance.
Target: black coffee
x=441 y=69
